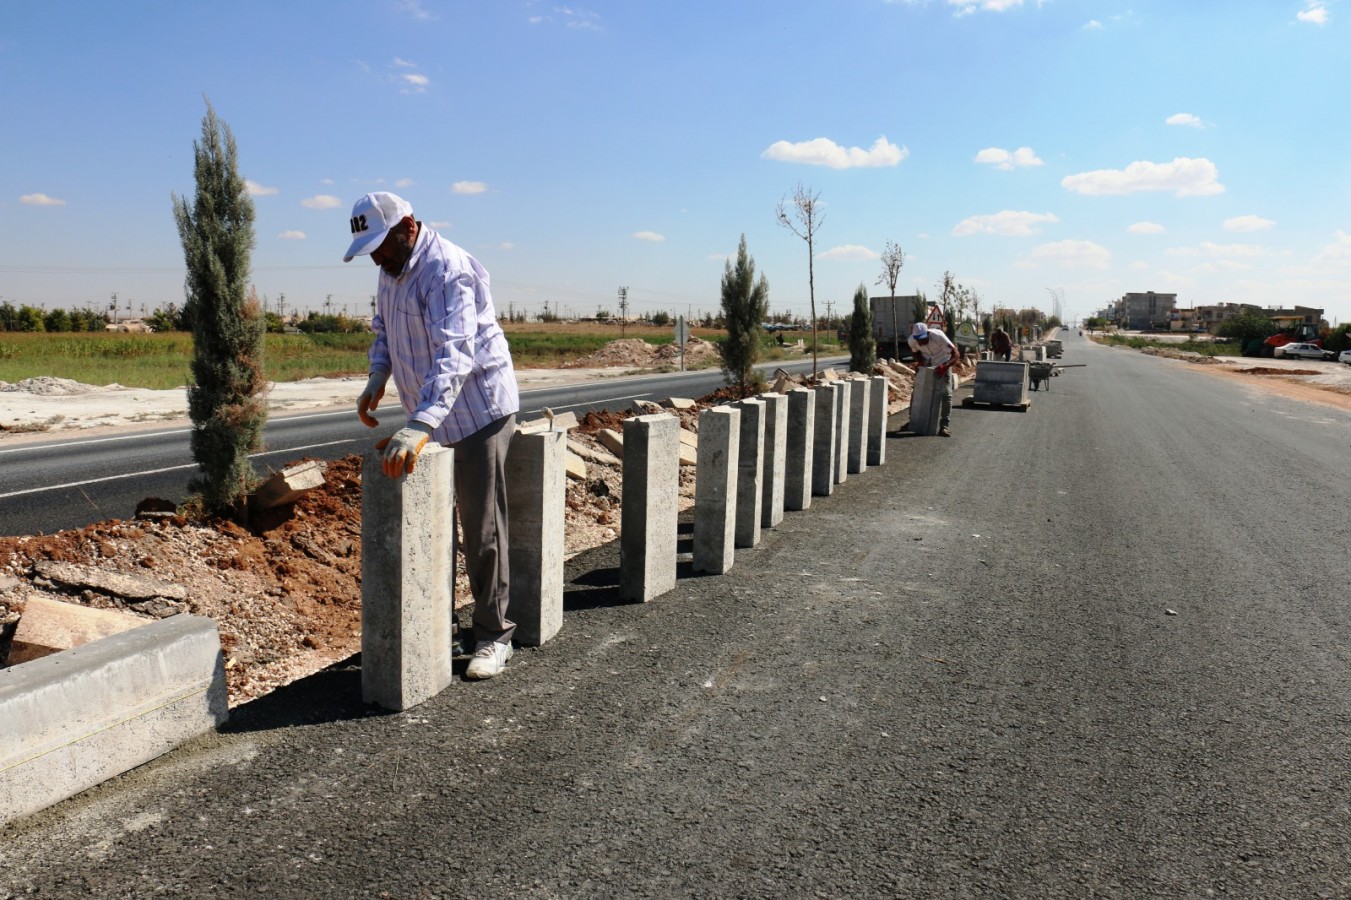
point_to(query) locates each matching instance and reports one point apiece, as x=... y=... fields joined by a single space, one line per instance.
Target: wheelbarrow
x=1037 y=372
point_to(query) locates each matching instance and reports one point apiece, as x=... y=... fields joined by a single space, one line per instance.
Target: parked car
x=1344 y=356
x=1300 y=350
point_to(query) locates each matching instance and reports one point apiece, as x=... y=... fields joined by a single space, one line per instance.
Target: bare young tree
x=893 y=258
x=804 y=220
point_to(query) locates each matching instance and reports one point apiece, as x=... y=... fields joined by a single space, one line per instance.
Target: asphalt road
x=75 y=481
x=1098 y=649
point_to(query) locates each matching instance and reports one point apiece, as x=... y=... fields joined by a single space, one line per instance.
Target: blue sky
x=1083 y=147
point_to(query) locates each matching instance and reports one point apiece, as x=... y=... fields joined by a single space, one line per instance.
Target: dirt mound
x=46 y=385
x=637 y=353
x=1267 y=370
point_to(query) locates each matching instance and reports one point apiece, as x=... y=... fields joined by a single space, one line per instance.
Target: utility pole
x=281 y=307
x=328 y=304
x=113 y=306
x=623 y=311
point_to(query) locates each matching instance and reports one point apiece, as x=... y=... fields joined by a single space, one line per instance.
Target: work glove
x=401 y=449
x=370 y=398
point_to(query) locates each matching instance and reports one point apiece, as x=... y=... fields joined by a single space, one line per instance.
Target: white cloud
x=1187 y=119
x=1146 y=228
x=1338 y=252
x=569 y=17
x=440 y=225
x=468 y=187
x=1184 y=177
x=1247 y=223
x=258 y=190
x=1008 y=223
x=1140 y=266
x=1314 y=12
x=1230 y=251
x=416 y=83
x=321 y=201
x=1221 y=266
x=327 y=181
x=40 y=200
x=404 y=182
x=292 y=235
x=825 y=152
x=403 y=63
x=849 y=253
x=414 y=9
x=1093 y=25
x=967 y=7
x=1069 y=255
x=506 y=245
x=649 y=236
x=1003 y=159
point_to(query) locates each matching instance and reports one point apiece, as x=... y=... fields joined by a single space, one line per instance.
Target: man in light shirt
x=436 y=331
x=931 y=347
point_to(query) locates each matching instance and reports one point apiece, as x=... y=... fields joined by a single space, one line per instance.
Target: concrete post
x=924 y=406
x=877 y=420
x=823 y=442
x=536 y=495
x=843 y=391
x=715 y=489
x=859 y=412
x=775 y=466
x=651 y=488
x=407 y=550
x=750 y=472
x=797 y=486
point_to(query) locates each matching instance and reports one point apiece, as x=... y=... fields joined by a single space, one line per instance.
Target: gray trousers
x=945 y=399
x=481 y=503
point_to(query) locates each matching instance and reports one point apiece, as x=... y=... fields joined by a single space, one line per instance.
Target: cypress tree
x=862 y=344
x=745 y=304
x=225 y=395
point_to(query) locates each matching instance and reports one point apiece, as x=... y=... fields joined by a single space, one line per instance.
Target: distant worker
x=436 y=330
x=1001 y=344
x=939 y=353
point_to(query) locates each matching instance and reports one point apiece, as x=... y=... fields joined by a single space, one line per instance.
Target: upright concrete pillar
x=536 y=494
x=797 y=481
x=651 y=487
x=715 y=489
x=750 y=472
x=407 y=550
x=925 y=408
x=860 y=398
x=877 y=420
x=843 y=391
x=823 y=442
x=775 y=465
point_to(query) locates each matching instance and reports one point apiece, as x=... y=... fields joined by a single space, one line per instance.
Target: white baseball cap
x=919 y=332
x=372 y=218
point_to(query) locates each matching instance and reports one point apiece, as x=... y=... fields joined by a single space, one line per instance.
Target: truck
x=892 y=320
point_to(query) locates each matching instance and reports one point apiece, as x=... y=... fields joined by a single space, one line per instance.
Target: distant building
x=1145 y=312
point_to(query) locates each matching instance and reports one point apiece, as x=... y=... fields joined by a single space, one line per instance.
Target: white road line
x=72 y=484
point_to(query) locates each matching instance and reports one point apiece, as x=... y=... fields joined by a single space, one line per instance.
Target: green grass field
x=161 y=361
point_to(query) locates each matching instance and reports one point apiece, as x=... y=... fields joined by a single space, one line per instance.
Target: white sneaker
x=490 y=658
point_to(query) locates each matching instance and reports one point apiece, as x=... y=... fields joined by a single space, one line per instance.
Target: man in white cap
x=436 y=331
x=931 y=347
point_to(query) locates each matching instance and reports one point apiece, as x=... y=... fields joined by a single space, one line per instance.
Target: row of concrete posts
x=756 y=459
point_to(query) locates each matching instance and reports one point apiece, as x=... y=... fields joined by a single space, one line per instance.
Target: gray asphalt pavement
x=1098 y=649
